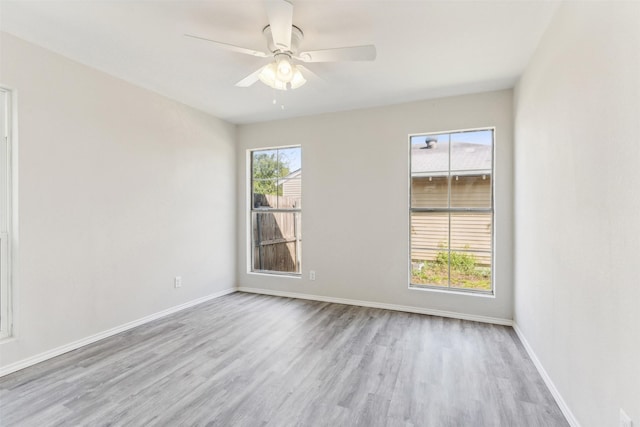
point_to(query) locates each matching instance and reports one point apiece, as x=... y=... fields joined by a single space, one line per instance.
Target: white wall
x=120 y=190
x=357 y=241
x=577 y=208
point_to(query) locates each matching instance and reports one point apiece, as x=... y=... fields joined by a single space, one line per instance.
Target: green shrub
x=460 y=261
x=463 y=262
x=464 y=273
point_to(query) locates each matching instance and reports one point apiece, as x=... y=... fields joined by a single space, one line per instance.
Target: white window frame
x=250 y=210
x=6 y=223
x=449 y=289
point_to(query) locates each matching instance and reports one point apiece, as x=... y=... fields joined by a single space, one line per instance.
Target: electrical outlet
x=625 y=421
x=312 y=275
x=177 y=283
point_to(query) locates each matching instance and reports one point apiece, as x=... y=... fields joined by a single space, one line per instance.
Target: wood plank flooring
x=255 y=360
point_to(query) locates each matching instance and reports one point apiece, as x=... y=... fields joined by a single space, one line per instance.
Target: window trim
x=448 y=289
x=8 y=227
x=250 y=209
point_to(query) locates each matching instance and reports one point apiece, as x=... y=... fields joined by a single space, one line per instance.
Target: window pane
x=430 y=154
x=471 y=231
x=276 y=241
x=429 y=230
x=265 y=193
x=430 y=267
x=471 y=270
x=471 y=191
x=289 y=160
x=429 y=192
x=429 y=254
x=265 y=164
x=290 y=193
x=471 y=151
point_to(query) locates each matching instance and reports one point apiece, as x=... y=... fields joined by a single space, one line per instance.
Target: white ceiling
x=425 y=49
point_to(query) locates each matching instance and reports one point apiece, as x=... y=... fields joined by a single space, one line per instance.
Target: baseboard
x=21 y=364
x=394 y=307
x=571 y=419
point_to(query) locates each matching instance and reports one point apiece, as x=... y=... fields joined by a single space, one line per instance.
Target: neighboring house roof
x=465 y=157
x=292 y=175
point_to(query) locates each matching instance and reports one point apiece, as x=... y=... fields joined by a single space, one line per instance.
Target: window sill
x=450 y=291
x=278 y=275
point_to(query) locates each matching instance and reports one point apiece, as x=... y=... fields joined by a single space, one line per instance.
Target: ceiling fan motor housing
x=296 y=37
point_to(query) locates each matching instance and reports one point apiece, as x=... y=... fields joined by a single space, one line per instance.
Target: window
x=5 y=212
x=451 y=211
x=276 y=210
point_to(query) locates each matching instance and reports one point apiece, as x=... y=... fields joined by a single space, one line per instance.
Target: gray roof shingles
x=465 y=156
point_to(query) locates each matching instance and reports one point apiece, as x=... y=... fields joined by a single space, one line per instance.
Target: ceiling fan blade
x=250 y=79
x=280 y=14
x=231 y=47
x=354 y=53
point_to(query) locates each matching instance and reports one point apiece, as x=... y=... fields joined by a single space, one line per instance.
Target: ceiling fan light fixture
x=271 y=76
x=268 y=76
x=284 y=69
x=298 y=79
x=280 y=85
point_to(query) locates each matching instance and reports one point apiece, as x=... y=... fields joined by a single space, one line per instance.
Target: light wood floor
x=253 y=360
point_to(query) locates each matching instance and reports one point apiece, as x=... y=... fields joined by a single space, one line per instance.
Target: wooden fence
x=276 y=236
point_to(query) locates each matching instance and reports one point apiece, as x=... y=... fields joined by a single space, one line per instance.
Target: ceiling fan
x=283 y=41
